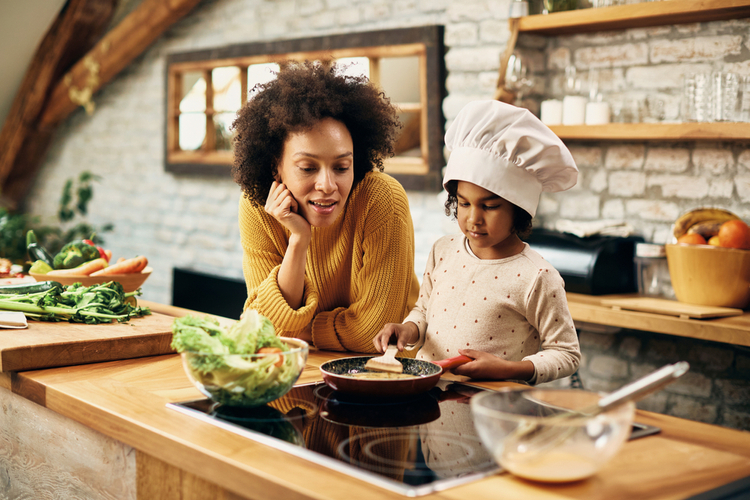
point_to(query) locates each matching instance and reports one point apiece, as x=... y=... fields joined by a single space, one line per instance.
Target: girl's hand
x=491 y=367
x=282 y=206
x=405 y=333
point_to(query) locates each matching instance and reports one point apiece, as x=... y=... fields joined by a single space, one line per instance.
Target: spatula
x=387 y=362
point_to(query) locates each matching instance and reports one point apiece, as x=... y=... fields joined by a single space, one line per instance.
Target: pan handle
x=451 y=363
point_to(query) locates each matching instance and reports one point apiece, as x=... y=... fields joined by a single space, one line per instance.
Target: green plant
x=13 y=236
x=73 y=202
x=76 y=195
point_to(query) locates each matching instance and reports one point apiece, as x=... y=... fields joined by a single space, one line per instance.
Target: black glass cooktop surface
x=412 y=446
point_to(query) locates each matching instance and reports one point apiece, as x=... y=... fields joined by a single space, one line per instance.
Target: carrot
x=127 y=266
x=84 y=269
x=272 y=350
x=142 y=266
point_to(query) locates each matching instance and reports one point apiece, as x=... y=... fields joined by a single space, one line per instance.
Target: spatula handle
x=451 y=363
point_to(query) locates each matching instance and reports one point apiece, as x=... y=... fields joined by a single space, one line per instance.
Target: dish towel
x=584 y=229
x=12 y=319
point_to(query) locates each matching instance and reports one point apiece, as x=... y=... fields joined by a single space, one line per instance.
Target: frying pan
x=338 y=373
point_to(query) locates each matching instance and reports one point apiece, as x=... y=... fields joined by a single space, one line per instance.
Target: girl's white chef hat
x=508 y=151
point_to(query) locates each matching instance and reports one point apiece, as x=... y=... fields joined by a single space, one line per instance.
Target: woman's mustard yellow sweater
x=359 y=273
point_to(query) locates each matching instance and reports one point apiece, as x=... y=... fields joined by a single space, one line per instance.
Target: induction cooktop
x=412 y=446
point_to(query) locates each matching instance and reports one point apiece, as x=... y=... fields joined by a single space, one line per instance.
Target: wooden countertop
x=126 y=400
x=729 y=330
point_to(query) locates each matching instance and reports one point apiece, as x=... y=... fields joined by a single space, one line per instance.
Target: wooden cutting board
x=671 y=307
x=46 y=345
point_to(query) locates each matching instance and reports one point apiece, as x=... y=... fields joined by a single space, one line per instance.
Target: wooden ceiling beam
x=75 y=30
x=63 y=94
x=113 y=53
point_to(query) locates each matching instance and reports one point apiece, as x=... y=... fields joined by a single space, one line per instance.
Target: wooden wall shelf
x=733 y=330
x=719 y=131
x=638 y=15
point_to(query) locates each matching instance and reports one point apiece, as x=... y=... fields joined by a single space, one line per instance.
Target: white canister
x=574 y=110
x=552 y=112
x=597 y=113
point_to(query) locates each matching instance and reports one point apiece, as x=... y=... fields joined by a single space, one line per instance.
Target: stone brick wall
x=191 y=221
x=648 y=184
x=715 y=390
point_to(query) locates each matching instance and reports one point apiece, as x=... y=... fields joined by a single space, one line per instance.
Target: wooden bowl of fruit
x=710 y=263
x=709 y=275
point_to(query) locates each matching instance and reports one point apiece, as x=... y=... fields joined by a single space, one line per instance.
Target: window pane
x=224 y=134
x=193 y=92
x=227 y=88
x=355 y=66
x=409 y=140
x=192 y=131
x=399 y=77
x=260 y=73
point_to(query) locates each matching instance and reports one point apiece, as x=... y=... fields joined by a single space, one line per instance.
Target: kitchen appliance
x=219 y=295
x=594 y=265
x=412 y=446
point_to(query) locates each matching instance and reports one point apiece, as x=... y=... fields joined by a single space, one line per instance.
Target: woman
x=328 y=242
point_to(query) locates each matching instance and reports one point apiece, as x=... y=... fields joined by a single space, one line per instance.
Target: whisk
x=533 y=437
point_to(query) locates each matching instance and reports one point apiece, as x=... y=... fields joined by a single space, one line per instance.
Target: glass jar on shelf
x=652 y=271
x=550 y=6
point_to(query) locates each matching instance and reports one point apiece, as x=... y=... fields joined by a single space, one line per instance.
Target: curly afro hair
x=303 y=94
x=521 y=218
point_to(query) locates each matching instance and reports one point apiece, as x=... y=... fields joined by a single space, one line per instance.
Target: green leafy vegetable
x=224 y=362
x=76 y=303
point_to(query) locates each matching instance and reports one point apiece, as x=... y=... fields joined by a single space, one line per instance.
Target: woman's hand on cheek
x=282 y=206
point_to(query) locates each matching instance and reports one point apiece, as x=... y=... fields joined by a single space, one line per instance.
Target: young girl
x=486 y=294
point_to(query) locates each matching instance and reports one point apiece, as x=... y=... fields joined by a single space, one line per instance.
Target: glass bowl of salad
x=245 y=365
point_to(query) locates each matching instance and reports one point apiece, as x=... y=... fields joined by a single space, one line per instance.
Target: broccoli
x=74 y=254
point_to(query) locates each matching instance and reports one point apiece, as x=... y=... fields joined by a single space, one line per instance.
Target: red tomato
x=103 y=253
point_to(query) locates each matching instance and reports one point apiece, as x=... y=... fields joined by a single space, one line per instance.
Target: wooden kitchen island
x=180 y=457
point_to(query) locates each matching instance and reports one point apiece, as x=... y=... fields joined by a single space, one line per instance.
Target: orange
x=735 y=234
x=692 y=239
x=714 y=240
